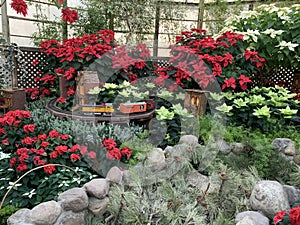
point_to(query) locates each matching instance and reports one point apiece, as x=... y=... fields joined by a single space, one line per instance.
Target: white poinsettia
x=110 y=86
x=289 y=45
x=251 y=34
x=247 y=14
x=273 y=33
x=231 y=19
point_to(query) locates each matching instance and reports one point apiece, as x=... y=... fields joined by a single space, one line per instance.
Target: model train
x=106 y=109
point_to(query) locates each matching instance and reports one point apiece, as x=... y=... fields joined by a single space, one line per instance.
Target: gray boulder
x=97 y=188
x=21 y=217
x=74 y=199
x=189 y=139
x=71 y=218
x=247 y=221
x=198 y=180
x=98 y=206
x=256 y=217
x=284 y=145
x=115 y=175
x=223 y=146
x=269 y=198
x=46 y=213
x=292 y=193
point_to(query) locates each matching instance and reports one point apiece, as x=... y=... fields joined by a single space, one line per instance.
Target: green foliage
x=92 y=18
x=295 y=178
x=229 y=188
x=46 y=30
x=262 y=108
x=135 y=19
x=140 y=148
x=175 y=201
x=218 y=11
x=6 y=212
x=171 y=202
x=258 y=150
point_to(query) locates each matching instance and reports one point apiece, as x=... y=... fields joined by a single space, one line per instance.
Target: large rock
x=247 y=221
x=46 y=213
x=297 y=159
x=97 y=188
x=156 y=159
x=269 y=198
x=189 y=139
x=198 y=180
x=72 y=218
x=237 y=148
x=98 y=206
x=256 y=217
x=223 y=146
x=284 y=145
x=21 y=217
x=115 y=175
x=74 y=199
x=292 y=193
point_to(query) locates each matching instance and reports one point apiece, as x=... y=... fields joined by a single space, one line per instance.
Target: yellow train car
x=105 y=109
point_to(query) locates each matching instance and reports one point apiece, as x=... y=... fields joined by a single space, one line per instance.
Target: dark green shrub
x=6 y=212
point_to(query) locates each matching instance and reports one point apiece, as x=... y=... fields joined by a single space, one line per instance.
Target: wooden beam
x=200 y=14
x=5 y=21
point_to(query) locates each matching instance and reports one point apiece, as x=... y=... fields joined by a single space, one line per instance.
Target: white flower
x=285 y=19
x=63 y=183
x=246 y=15
x=284 y=11
x=124 y=93
x=273 y=33
x=11 y=184
x=253 y=34
x=30 y=194
x=150 y=85
x=4 y=155
x=110 y=86
x=124 y=84
x=231 y=19
x=76 y=179
x=289 y=45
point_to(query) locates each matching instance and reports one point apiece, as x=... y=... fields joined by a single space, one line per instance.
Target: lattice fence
x=26 y=80
x=284 y=76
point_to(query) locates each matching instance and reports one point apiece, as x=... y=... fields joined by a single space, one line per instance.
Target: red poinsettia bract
x=69 y=15
x=19 y=6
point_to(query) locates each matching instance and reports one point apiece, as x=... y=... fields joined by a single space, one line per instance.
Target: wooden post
x=64 y=24
x=5 y=21
x=200 y=14
x=156 y=34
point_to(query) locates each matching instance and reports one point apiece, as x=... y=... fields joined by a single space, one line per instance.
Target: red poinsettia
x=69 y=15
x=19 y=6
x=291 y=217
x=295 y=215
x=229 y=83
x=198 y=60
x=279 y=217
x=113 y=152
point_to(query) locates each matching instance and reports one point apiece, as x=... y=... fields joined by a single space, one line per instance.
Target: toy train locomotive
x=106 y=109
